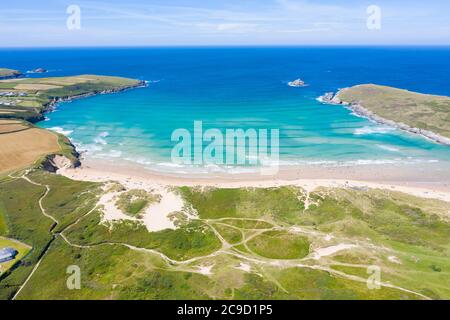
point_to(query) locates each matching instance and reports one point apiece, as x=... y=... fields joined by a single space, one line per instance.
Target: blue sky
x=223 y=22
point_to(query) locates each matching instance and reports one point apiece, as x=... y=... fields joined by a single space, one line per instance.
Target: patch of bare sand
x=156 y=217
x=328 y=251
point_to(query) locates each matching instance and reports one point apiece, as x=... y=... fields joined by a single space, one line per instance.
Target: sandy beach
x=428 y=181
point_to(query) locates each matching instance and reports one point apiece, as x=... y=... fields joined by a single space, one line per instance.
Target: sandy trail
x=328 y=251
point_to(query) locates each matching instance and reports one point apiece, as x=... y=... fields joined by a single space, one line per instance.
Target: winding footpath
x=226 y=248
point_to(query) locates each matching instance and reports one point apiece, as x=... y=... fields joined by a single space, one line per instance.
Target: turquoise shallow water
x=241 y=88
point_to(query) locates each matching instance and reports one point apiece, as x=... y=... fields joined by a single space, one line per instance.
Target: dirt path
x=225 y=249
x=48 y=246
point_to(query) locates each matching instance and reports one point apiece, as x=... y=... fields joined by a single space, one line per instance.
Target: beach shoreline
x=430 y=181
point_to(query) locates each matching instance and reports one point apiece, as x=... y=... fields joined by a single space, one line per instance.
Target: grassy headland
x=9 y=73
x=29 y=98
x=428 y=115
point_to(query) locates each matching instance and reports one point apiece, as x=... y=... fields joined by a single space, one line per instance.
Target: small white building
x=7 y=254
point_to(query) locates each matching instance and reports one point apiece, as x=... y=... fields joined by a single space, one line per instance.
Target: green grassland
x=259 y=245
x=190 y=241
x=283 y=204
x=269 y=244
x=423 y=111
x=32 y=96
x=25 y=223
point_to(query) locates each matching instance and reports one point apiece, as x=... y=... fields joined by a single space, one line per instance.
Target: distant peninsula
x=9 y=73
x=423 y=114
x=29 y=98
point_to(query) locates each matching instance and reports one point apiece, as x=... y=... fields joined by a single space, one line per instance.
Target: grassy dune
x=253 y=249
x=423 y=111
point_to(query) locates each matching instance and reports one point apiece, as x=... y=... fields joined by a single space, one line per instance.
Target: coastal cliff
x=425 y=115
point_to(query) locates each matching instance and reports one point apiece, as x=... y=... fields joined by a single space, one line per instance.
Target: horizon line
x=229 y=46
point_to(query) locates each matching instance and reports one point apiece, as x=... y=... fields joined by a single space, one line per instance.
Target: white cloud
x=233 y=21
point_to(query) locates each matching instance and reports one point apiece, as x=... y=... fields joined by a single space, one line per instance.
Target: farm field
x=22 y=144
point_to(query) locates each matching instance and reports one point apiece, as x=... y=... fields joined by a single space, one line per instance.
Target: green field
x=252 y=249
x=279 y=245
x=423 y=111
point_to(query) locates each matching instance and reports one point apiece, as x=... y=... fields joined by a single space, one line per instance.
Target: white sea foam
x=140 y=160
x=372 y=130
x=320 y=99
x=100 y=139
x=61 y=130
x=388 y=148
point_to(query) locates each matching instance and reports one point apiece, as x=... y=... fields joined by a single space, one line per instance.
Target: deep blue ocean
x=240 y=88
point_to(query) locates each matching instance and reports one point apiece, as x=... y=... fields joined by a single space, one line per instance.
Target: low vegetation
x=279 y=245
x=284 y=203
x=134 y=202
x=265 y=251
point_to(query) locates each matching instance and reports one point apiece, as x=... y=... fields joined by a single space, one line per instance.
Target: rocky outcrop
x=54 y=162
x=327 y=98
x=38 y=70
x=297 y=83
